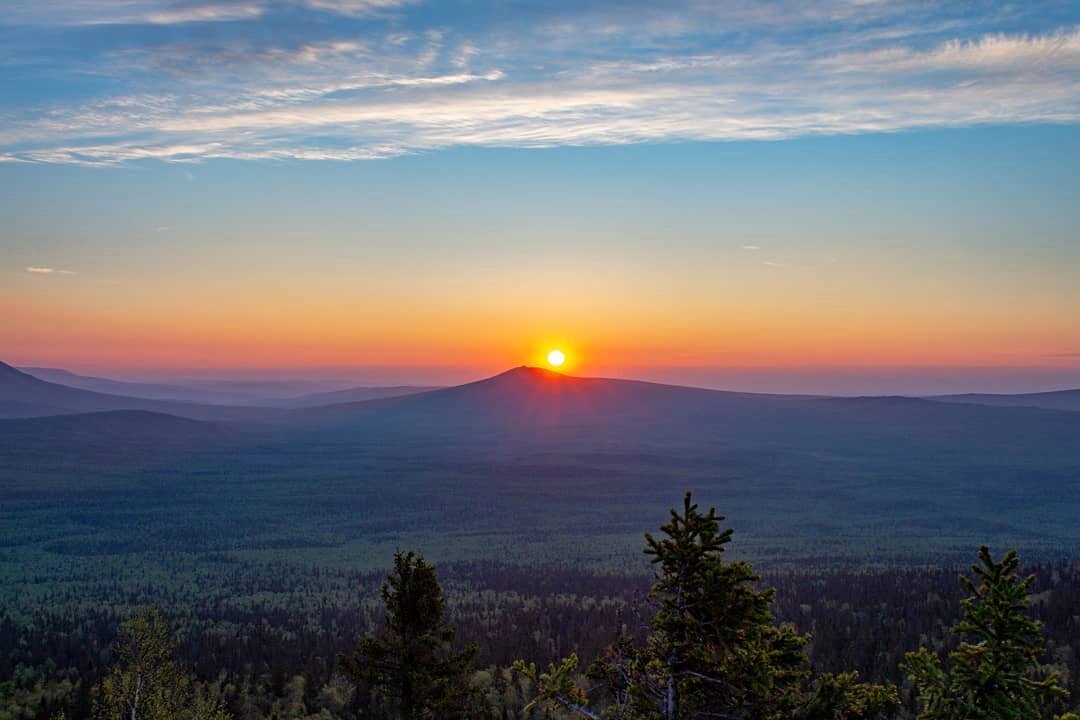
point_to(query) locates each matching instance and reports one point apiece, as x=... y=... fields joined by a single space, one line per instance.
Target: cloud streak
x=174 y=12
x=379 y=87
x=48 y=271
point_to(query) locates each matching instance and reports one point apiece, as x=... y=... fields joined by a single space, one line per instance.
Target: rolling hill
x=109 y=429
x=347 y=395
x=1056 y=400
x=530 y=463
x=281 y=394
x=531 y=405
x=22 y=395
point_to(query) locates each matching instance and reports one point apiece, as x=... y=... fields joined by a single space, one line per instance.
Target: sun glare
x=556 y=358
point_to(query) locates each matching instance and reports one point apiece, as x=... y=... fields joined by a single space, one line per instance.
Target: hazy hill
x=281 y=394
x=150 y=391
x=348 y=395
x=529 y=405
x=1055 y=400
x=532 y=464
x=55 y=455
x=22 y=395
x=527 y=396
x=113 y=427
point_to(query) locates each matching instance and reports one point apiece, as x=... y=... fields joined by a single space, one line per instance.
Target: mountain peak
x=530 y=372
x=526 y=378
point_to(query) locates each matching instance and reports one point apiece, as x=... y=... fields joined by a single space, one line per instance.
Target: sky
x=849 y=195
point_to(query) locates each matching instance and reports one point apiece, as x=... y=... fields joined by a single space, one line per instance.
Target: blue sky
x=107 y=81
x=742 y=191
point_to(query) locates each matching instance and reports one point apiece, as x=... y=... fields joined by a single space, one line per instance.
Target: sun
x=556 y=358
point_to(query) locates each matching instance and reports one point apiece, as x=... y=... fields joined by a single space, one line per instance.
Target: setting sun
x=556 y=358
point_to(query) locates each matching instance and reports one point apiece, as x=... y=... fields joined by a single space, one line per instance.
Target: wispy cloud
x=215 y=12
x=49 y=271
x=751 y=247
x=175 y=12
x=355 y=7
x=376 y=85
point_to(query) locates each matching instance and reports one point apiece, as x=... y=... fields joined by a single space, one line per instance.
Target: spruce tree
x=994 y=674
x=714 y=647
x=412 y=664
x=714 y=651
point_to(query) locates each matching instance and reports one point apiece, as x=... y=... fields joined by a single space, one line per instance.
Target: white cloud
x=354 y=7
x=49 y=271
x=204 y=13
x=1054 y=52
x=751 y=247
x=403 y=89
x=172 y=12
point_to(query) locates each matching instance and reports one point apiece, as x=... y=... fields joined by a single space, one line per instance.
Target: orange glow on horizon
x=602 y=330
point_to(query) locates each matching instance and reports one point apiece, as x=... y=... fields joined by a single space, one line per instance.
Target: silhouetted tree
x=412 y=663
x=714 y=651
x=997 y=676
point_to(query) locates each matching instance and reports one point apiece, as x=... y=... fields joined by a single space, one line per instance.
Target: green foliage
x=558 y=686
x=143 y=682
x=996 y=677
x=843 y=697
x=412 y=665
x=715 y=648
x=714 y=651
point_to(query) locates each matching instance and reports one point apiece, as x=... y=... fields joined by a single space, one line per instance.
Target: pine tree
x=412 y=663
x=715 y=650
x=997 y=676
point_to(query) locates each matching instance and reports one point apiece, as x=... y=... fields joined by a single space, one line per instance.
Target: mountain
x=525 y=400
x=528 y=395
x=280 y=394
x=112 y=428
x=348 y=395
x=151 y=391
x=68 y=448
x=1054 y=400
x=22 y=395
x=532 y=464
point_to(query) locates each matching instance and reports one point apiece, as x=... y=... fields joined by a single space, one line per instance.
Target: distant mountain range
x=274 y=393
x=521 y=394
x=529 y=451
x=1054 y=400
x=22 y=395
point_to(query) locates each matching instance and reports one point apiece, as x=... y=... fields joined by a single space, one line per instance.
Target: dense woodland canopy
x=594 y=640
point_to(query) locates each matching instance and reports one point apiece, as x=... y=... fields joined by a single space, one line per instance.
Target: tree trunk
x=671 y=702
x=138 y=691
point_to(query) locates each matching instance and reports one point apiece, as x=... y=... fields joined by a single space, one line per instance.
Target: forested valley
x=551 y=641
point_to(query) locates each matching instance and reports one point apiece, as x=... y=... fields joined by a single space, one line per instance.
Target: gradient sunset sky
x=847 y=195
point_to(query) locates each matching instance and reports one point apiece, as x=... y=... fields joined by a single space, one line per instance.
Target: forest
x=702 y=636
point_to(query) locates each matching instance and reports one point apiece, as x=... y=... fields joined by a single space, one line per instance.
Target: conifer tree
x=412 y=663
x=995 y=675
x=714 y=650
